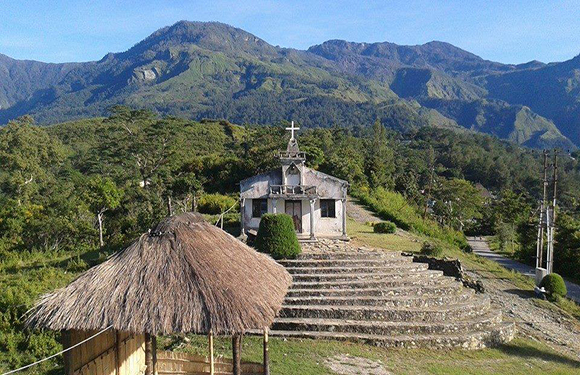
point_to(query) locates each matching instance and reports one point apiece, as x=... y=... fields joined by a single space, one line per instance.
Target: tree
x=457 y=201
x=102 y=195
x=29 y=157
x=379 y=163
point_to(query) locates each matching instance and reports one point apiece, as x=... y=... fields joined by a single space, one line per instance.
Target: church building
x=315 y=201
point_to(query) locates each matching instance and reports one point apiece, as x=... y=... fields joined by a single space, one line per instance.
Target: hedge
x=385 y=227
x=431 y=250
x=554 y=285
x=276 y=236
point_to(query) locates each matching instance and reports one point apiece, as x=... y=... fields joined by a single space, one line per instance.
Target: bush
x=276 y=236
x=215 y=203
x=554 y=285
x=385 y=227
x=431 y=250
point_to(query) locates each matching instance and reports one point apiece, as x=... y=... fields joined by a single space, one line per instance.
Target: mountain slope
x=457 y=84
x=552 y=91
x=212 y=70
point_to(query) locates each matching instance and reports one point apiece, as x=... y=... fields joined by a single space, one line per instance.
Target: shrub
x=394 y=207
x=554 y=285
x=276 y=236
x=431 y=250
x=215 y=203
x=385 y=227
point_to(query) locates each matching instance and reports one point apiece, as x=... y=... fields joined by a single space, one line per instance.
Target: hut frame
x=184 y=276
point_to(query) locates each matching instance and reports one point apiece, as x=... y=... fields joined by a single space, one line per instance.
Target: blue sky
x=506 y=31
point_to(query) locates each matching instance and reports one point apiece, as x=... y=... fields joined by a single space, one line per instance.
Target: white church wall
x=329 y=225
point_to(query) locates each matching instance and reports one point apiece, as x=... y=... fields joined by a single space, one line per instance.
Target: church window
x=259 y=207
x=327 y=208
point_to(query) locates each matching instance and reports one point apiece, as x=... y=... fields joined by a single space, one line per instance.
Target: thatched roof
x=186 y=275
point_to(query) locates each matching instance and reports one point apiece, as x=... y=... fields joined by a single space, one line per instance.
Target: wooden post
x=169 y=206
x=68 y=360
x=266 y=354
x=117 y=352
x=149 y=354
x=237 y=348
x=211 y=364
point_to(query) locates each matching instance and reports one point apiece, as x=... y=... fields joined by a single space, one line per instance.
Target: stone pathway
x=481 y=248
x=344 y=364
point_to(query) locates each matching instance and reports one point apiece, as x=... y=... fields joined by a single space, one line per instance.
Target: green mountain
x=212 y=70
x=552 y=91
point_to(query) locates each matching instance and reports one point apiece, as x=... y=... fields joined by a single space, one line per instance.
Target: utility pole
x=540 y=239
x=550 y=255
x=547 y=223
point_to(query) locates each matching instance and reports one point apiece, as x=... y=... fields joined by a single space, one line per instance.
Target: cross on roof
x=292 y=129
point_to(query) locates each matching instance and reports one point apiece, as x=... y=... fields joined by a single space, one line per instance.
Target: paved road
x=481 y=248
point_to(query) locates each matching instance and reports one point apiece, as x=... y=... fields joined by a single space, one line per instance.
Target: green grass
x=307 y=357
x=363 y=235
x=494 y=245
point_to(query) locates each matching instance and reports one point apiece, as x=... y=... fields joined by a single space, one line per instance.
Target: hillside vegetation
x=57 y=181
x=200 y=70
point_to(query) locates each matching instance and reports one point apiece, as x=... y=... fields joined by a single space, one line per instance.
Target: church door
x=294 y=209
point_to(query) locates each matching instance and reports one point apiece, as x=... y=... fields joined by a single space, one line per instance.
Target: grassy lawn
x=363 y=235
x=307 y=357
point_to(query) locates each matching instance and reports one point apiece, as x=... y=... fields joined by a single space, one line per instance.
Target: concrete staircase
x=386 y=300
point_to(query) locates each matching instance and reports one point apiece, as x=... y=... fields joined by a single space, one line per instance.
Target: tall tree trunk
x=100 y=220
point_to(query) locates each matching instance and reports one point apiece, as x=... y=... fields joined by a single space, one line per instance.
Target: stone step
x=404 y=301
x=502 y=333
x=401 y=268
x=355 y=255
x=475 y=307
x=424 y=275
x=384 y=283
x=447 y=287
x=345 y=262
x=483 y=322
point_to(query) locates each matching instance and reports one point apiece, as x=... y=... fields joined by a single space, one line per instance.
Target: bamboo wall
x=110 y=353
x=191 y=364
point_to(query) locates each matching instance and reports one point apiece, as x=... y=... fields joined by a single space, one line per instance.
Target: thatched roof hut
x=184 y=276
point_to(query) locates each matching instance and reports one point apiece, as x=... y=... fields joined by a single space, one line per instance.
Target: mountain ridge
x=210 y=69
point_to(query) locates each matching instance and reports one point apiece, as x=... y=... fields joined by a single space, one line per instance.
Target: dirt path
x=555 y=327
x=356 y=211
x=481 y=248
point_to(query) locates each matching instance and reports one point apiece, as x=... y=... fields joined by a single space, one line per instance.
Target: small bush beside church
x=554 y=285
x=385 y=227
x=431 y=250
x=276 y=236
